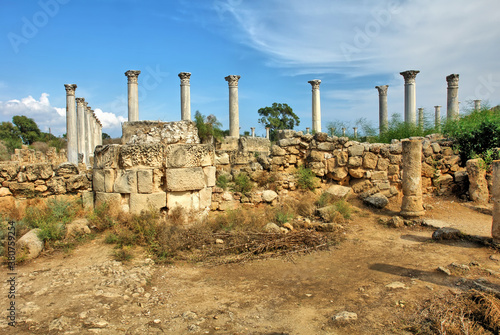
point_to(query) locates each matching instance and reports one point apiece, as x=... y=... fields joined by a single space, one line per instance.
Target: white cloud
x=109 y=120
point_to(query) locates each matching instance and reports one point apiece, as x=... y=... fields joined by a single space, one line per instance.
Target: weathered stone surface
x=210 y=179
x=338 y=192
x=355 y=161
x=383 y=164
x=338 y=173
x=152 y=201
x=4 y=191
x=316 y=156
x=149 y=132
x=106 y=156
x=341 y=157
x=77 y=227
x=345 y=316
x=145 y=181
x=269 y=195
x=321 y=137
x=393 y=170
x=271 y=228
x=254 y=144
x=205 y=197
x=370 y=160
x=395 y=159
x=221 y=158
x=478 y=187
x=26 y=190
x=357 y=172
x=396 y=149
x=126 y=181
x=189 y=155
x=447 y=233
x=145 y=155
x=356 y=150
x=98 y=181
x=288 y=141
x=427 y=170
x=78 y=182
x=88 y=200
x=66 y=170
x=185 y=179
x=57 y=185
x=378 y=175
x=38 y=171
x=109 y=180
x=276 y=150
x=187 y=200
x=113 y=199
x=436 y=148
x=326 y=146
x=9 y=170
x=396 y=222
x=377 y=200
x=360 y=185
x=412 y=179
x=29 y=246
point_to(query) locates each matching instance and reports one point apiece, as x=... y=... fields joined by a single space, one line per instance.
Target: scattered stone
x=189 y=315
x=345 y=316
x=377 y=200
x=288 y=226
x=444 y=270
x=269 y=195
x=395 y=222
x=77 y=227
x=396 y=285
x=219 y=241
x=30 y=245
x=494 y=258
x=272 y=228
x=447 y=233
x=338 y=191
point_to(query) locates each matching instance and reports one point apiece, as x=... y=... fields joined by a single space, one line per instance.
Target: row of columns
x=83 y=128
x=410 y=102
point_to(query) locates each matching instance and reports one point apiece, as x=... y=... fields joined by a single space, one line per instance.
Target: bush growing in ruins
x=278 y=116
x=306 y=179
x=242 y=183
x=222 y=181
x=208 y=128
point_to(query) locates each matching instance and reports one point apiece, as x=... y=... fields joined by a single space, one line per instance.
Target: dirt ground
x=376 y=272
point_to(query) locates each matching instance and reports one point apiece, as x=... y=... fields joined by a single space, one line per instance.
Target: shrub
x=242 y=183
x=208 y=128
x=222 y=181
x=306 y=179
x=123 y=255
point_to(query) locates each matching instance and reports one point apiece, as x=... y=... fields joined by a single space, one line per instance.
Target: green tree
x=278 y=116
x=208 y=127
x=105 y=136
x=28 y=128
x=10 y=135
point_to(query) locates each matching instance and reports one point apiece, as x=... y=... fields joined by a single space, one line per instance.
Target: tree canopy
x=208 y=127
x=278 y=116
x=28 y=129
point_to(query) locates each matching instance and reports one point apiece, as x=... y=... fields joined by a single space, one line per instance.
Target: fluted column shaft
x=185 y=96
x=412 y=204
x=88 y=131
x=234 y=119
x=71 y=128
x=133 y=95
x=316 y=105
x=421 y=118
x=437 y=117
x=383 y=119
x=80 y=111
x=452 y=106
x=477 y=105
x=410 y=96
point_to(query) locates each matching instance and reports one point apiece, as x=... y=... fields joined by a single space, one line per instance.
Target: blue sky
x=276 y=46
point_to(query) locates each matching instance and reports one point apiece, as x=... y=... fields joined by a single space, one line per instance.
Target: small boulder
x=77 y=227
x=30 y=245
x=269 y=195
x=272 y=228
x=377 y=200
x=396 y=222
x=447 y=233
x=338 y=191
x=345 y=316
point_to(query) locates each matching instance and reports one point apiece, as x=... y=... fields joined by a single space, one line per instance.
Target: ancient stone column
x=185 y=96
x=88 y=151
x=452 y=106
x=80 y=111
x=133 y=95
x=96 y=130
x=477 y=105
x=332 y=131
x=412 y=186
x=343 y=132
x=234 y=118
x=383 y=119
x=100 y=133
x=308 y=130
x=421 y=118
x=316 y=106
x=355 y=132
x=253 y=131
x=437 y=117
x=495 y=195
x=71 y=127
x=410 y=96
x=92 y=131
x=267 y=133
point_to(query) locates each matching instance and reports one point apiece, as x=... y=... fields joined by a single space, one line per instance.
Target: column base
x=412 y=213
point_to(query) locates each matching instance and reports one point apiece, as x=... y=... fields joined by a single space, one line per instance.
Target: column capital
x=132 y=76
x=80 y=101
x=452 y=80
x=439 y=106
x=382 y=90
x=232 y=80
x=185 y=77
x=315 y=83
x=409 y=76
x=420 y=108
x=70 y=89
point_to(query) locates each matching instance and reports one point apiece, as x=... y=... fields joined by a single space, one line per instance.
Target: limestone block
x=149 y=132
x=370 y=160
x=393 y=170
x=357 y=172
x=145 y=181
x=355 y=161
x=221 y=158
x=446 y=151
x=377 y=200
x=158 y=179
x=383 y=164
x=375 y=147
x=229 y=205
x=229 y=143
x=189 y=155
x=427 y=170
x=150 y=155
x=279 y=160
x=187 y=200
x=288 y=142
x=341 y=157
x=360 y=185
x=77 y=227
x=326 y=146
x=395 y=159
x=21 y=177
x=112 y=199
x=316 y=156
x=451 y=160
x=66 y=169
x=396 y=148
x=152 y=201
x=109 y=180
x=436 y=147
x=378 y=175
x=276 y=150
x=29 y=246
x=106 y=156
x=205 y=197
x=4 y=191
x=126 y=181
x=292 y=159
x=269 y=195
x=78 y=182
x=338 y=173
x=98 y=179
x=26 y=190
x=254 y=144
x=9 y=170
x=292 y=150
x=478 y=187
x=331 y=164
x=210 y=179
x=88 y=200
x=338 y=191
x=318 y=168
x=185 y=179
x=356 y=150
x=56 y=185
x=38 y=171
x=40 y=189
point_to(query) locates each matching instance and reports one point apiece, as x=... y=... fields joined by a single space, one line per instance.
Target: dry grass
x=472 y=312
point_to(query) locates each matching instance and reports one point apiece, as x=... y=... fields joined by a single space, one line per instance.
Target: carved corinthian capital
x=409 y=76
x=382 y=90
x=232 y=80
x=315 y=83
x=80 y=101
x=70 y=89
x=132 y=76
x=452 y=80
x=185 y=77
